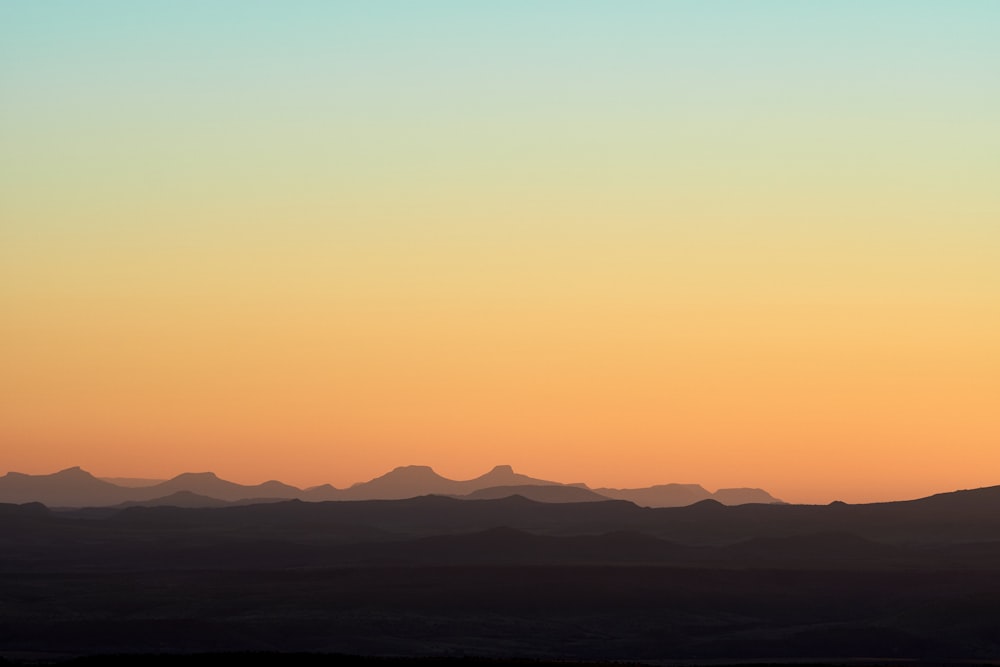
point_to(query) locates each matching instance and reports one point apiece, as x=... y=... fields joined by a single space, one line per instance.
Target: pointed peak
x=506 y=469
x=321 y=487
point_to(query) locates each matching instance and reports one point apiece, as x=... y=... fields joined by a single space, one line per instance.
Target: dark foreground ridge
x=439 y=577
x=341 y=660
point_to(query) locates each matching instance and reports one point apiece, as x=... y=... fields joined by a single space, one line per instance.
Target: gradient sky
x=731 y=243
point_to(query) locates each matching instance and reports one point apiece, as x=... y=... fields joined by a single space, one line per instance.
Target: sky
x=626 y=243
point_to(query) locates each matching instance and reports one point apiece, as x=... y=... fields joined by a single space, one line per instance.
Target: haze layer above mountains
x=75 y=487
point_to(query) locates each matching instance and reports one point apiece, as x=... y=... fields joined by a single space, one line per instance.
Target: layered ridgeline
x=75 y=487
x=443 y=576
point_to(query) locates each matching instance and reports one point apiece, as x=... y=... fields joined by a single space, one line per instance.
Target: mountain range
x=74 y=487
x=494 y=573
x=911 y=582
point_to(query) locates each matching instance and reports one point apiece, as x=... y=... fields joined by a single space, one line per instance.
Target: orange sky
x=734 y=248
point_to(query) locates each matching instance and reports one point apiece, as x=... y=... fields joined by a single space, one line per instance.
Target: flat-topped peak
x=75 y=470
x=413 y=468
x=197 y=475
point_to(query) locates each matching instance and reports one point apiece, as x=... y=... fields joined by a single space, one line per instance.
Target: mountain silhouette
x=984 y=500
x=75 y=487
x=504 y=475
x=412 y=481
x=401 y=482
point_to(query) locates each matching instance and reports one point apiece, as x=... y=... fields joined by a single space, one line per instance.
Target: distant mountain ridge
x=75 y=487
x=411 y=481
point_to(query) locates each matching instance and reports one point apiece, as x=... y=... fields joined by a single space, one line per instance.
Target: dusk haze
x=717 y=243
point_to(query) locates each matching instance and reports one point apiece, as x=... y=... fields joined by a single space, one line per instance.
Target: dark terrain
x=508 y=577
